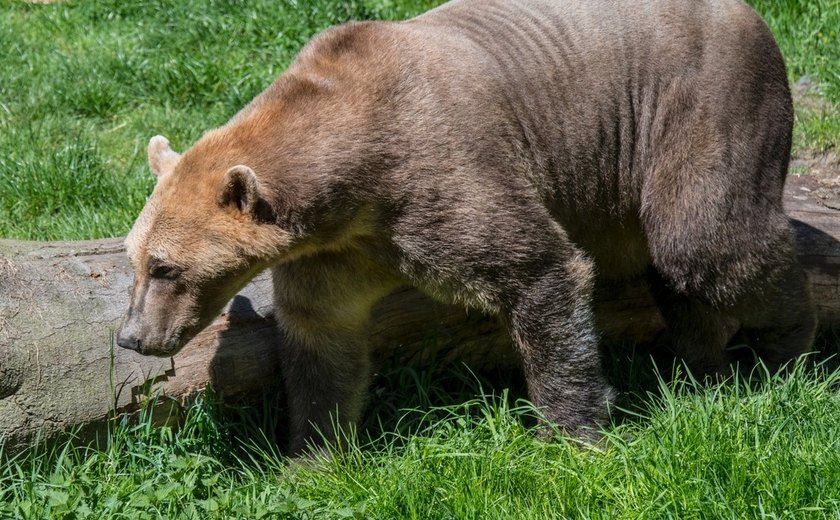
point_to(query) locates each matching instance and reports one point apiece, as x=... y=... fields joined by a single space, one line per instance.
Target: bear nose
x=127 y=339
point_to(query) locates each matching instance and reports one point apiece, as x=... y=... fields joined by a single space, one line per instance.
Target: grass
x=808 y=32
x=688 y=451
x=83 y=85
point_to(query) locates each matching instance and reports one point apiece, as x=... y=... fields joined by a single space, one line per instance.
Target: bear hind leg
x=779 y=318
x=755 y=285
x=697 y=332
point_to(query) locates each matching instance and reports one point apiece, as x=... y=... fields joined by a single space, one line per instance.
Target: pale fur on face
x=209 y=245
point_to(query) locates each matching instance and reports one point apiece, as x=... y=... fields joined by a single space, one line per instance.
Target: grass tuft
x=731 y=450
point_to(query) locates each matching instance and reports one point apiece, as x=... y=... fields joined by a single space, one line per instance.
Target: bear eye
x=158 y=269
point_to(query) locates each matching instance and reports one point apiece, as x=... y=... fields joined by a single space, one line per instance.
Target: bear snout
x=126 y=338
x=137 y=336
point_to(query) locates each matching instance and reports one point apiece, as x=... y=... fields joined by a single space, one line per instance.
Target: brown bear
x=498 y=154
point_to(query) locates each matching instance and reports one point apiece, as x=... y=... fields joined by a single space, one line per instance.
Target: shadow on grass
x=404 y=400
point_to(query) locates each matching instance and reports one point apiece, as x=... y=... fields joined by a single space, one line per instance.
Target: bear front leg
x=323 y=305
x=552 y=326
x=505 y=255
x=325 y=376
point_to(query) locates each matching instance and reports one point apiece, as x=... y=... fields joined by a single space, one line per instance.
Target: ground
x=814 y=174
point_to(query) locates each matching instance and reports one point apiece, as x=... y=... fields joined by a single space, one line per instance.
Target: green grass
x=83 y=85
x=687 y=452
x=808 y=32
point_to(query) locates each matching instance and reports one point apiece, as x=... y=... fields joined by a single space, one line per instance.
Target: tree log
x=60 y=303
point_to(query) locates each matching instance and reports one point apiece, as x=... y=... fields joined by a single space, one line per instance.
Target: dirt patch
x=822 y=189
x=815 y=175
x=823 y=165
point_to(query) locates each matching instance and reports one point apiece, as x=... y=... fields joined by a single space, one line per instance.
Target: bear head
x=203 y=234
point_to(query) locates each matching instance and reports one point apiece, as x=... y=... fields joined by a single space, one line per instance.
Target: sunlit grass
x=84 y=85
x=688 y=451
x=808 y=32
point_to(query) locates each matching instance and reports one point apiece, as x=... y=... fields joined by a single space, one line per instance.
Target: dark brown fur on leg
x=552 y=328
x=323 y=305
x=325 y=386
x=720 y=244
x=697 y=332
x=779 y=318
x=542 y=291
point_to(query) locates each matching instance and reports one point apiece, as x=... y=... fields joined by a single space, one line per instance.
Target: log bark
x=60 y=303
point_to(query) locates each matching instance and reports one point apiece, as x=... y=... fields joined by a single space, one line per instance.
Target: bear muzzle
x=129 y=337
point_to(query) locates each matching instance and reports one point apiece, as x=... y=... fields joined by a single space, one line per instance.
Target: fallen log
x=60 y=303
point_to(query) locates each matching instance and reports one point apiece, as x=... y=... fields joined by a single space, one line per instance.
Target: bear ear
x=162 y=159
x=239 y=189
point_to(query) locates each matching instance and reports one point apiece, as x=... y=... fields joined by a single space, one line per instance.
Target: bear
x=501 y=155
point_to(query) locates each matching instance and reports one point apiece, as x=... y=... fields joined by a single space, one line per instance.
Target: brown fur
x=498 y=154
